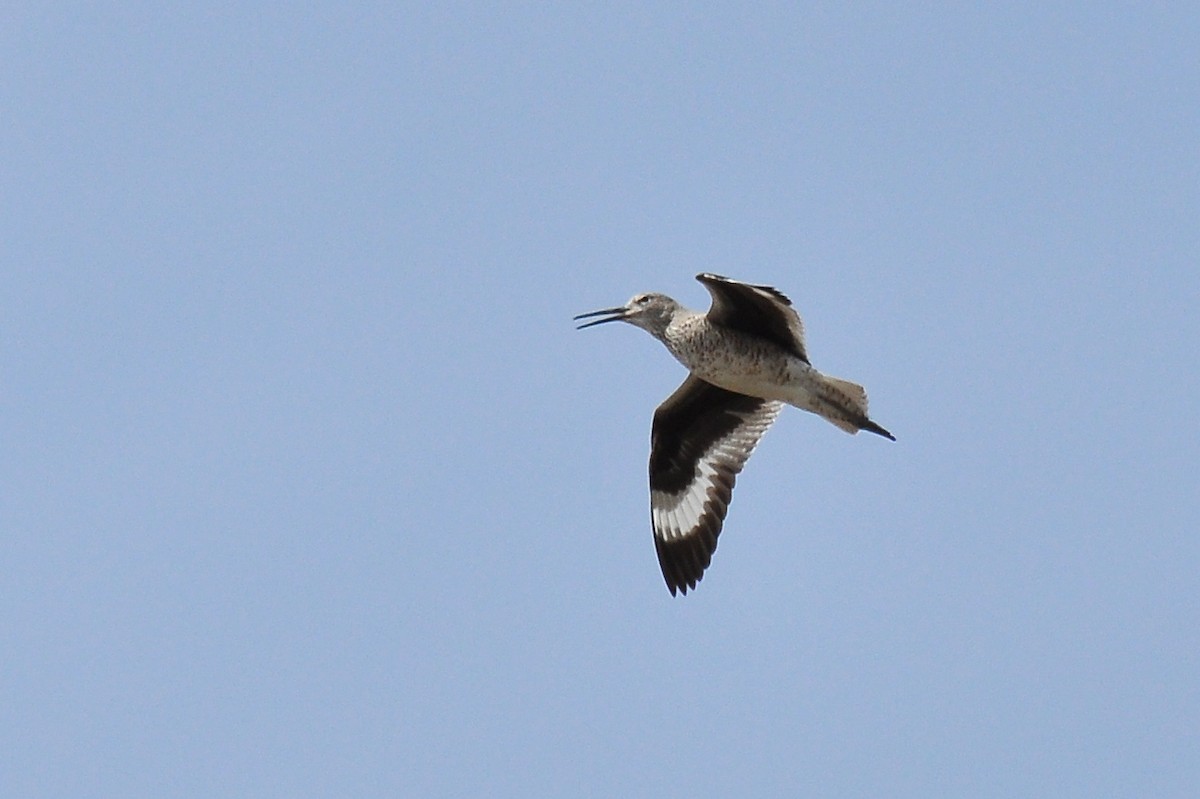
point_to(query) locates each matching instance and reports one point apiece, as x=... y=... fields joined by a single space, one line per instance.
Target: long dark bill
x=614 y=315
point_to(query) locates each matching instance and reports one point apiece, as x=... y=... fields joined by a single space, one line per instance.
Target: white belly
x=787 y=379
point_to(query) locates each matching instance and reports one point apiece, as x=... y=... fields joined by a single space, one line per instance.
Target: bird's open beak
x=614 y=315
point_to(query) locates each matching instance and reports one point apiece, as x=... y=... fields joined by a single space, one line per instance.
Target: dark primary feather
x=683 y=560
x=760 y=311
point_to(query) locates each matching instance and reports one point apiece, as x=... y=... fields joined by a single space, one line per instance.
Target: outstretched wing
x=757 y=310
x=701 y=439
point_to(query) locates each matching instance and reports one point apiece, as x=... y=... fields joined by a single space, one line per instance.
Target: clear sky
x=310 y=488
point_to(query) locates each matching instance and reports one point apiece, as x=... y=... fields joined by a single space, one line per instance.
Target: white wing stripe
x=680 y=514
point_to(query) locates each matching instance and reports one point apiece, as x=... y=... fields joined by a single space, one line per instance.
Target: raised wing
x=760 y=311
x=701 y=439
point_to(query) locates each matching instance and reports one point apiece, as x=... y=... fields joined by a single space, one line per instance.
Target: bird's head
x=651 y=312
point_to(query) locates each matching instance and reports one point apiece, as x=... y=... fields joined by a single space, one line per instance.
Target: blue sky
x=309 y=487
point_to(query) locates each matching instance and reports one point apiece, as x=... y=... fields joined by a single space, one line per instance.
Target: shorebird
x=746 y=359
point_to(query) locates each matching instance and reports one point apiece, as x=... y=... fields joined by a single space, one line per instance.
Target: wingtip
x=681 y=588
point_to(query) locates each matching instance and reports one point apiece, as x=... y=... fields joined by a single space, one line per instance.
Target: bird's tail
x=845 y=404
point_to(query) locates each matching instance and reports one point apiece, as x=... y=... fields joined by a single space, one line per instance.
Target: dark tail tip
x=871 y=427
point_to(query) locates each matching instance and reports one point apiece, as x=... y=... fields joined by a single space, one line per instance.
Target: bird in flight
x=746 y=358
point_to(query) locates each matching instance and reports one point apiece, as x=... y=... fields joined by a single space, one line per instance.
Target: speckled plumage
x=746 y=357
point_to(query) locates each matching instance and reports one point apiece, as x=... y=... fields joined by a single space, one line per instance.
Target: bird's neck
x=683 y=327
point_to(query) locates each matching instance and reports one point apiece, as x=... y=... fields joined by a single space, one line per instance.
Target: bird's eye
x=642 y=300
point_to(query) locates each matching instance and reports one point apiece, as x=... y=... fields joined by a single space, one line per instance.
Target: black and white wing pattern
x=760 y=311
x=701 y=439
